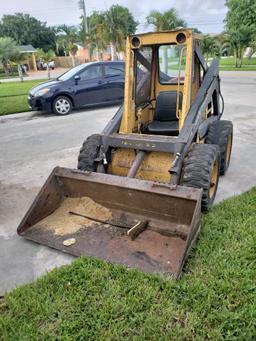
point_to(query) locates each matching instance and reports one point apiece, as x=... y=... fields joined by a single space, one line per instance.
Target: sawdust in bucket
x=62 y=222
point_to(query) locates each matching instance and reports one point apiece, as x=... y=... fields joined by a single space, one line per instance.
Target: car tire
x=88 y=153
x=201 y=170
x=221 y=133
x=62 y=105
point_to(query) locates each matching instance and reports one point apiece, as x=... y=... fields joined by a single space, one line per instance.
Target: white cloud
x=207 y=15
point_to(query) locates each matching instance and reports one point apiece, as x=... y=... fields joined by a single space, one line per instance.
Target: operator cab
x=159 y=81
x=161 y=85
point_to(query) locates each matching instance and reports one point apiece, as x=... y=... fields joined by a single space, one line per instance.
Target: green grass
x=242 y=68
x=94 y=300
x=230 y=61
x=227 y=64
x=13 y=96
x=12 y=75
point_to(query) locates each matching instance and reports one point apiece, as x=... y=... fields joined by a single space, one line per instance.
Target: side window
x=114 y=70
x=172 y=63
x=91 y=72
x=198 y=71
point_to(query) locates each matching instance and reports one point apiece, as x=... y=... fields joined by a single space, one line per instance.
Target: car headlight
x=42 y=92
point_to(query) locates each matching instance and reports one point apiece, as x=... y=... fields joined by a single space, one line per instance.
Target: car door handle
x=101 y=82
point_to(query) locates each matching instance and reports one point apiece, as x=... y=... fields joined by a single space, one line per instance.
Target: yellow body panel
x=129 y=123
x=155 y=165
x=128 y=119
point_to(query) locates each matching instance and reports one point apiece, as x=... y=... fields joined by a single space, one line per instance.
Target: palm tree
x=114 y=33
x=119 y=22
x=96 y=38
x=165 y=21
x=9 y=51
x=210 y=46
x=47 y=57
x=66 y=38
x=239 y=40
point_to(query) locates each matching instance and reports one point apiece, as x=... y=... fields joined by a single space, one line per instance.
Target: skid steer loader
x=137 y=195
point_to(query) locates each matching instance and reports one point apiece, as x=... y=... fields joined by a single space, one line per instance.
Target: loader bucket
x=90 y=214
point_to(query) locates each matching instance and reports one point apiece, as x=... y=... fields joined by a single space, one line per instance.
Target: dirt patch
x=62 y=222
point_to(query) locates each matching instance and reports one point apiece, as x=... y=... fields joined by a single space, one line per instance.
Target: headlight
x=42 y=92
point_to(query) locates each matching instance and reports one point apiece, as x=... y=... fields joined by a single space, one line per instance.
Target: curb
x=17 y=115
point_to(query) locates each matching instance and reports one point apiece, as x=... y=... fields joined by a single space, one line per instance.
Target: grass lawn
x=13 y=96
x=94 y=300
x=12 y=75
x=227 y=64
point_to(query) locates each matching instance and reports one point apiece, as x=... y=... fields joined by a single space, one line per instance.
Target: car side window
x=91 y=72
x=114 y=70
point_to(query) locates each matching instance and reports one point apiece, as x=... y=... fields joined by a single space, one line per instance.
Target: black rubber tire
x=65 y=99
x=88 y=153
x=219 y=133
x=197 y=171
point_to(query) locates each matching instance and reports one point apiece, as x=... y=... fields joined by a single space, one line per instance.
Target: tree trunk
x=101 y=54
x=97 y=53
x=20 y=72
x=241 y=56
x=5 y=66
x=236 y=57
x=48 y=71
x=73 y=60
x=165 y=59
x=113 y=51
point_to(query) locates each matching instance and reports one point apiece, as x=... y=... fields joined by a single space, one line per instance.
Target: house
x=29 y=56
x=83 y=54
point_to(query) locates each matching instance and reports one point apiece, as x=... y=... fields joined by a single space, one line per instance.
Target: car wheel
x=62 y=105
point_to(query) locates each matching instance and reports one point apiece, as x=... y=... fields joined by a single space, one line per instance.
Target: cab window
x=172 y=63
x=143 y=61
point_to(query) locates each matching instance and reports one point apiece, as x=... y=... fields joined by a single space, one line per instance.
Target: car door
x=114 y=81
x=89 y=86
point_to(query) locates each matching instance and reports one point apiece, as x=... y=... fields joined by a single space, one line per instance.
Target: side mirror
x=76 y=78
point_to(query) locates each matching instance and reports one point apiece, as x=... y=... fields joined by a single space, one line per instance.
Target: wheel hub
x=62 y=106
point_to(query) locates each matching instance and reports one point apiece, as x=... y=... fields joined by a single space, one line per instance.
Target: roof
x=27 y=49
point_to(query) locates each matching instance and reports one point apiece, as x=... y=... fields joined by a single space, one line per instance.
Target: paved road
x=32 y=144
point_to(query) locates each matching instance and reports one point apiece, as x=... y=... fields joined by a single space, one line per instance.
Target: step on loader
x=137 y=195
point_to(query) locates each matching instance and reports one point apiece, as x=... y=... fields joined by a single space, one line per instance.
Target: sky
x=206 y=15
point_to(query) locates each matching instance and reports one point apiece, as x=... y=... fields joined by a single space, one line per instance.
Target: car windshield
x=70 y=73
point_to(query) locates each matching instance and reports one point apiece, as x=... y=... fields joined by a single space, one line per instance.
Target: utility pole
x=81 y=5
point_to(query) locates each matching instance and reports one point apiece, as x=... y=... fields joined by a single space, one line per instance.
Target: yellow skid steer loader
x=137 y=195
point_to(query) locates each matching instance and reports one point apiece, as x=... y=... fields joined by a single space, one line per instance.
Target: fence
x=66 y=62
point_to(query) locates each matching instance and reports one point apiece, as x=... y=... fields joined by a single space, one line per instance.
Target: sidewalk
x=32 y=75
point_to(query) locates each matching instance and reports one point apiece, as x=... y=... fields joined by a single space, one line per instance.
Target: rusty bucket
x=95 y=215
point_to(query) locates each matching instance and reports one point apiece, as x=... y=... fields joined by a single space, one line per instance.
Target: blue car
x=85 y=85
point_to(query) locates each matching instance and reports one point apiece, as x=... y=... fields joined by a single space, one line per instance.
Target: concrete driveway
x=32 y=144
